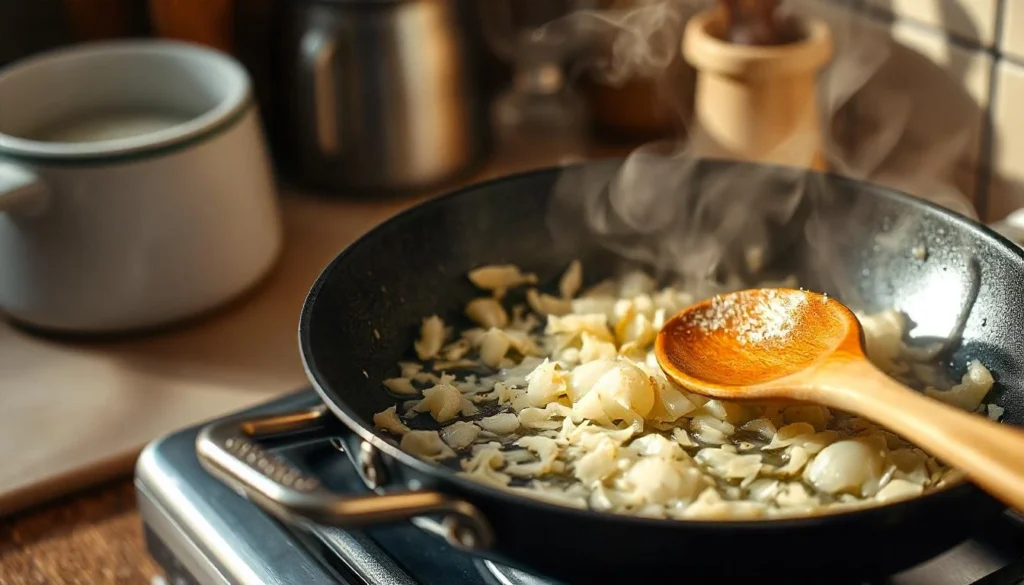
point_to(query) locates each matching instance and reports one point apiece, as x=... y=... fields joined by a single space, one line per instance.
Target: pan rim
x=351 y=419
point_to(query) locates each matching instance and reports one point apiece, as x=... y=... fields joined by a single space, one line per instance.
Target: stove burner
x=203 y=533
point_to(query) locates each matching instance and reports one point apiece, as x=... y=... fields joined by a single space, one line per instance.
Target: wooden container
x=93 y=20
x=208 y=22
x=757 y=103
x=651 y=104
x=639 y=109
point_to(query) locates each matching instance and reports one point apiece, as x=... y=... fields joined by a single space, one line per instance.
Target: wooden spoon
x=785 y=344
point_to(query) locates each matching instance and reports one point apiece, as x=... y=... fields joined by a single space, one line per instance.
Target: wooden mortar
x=757 y=103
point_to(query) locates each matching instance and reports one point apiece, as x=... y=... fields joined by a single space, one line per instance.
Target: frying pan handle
x=229 y=450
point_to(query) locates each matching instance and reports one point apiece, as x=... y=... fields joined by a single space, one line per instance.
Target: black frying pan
x=362 y=316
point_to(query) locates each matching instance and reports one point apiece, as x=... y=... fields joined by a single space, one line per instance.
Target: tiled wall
x=979 y=44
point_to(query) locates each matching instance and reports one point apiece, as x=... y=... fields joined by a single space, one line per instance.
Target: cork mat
x=95 y=539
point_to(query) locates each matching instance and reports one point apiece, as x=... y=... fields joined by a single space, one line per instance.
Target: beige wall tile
x=971 y=68
x=1013 y=29
x=1006 y=182
x=974 y=20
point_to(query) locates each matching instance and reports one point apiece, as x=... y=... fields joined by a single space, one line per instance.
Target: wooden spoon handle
x=991 y=454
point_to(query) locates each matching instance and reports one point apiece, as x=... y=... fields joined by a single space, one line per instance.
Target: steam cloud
x=655 y=210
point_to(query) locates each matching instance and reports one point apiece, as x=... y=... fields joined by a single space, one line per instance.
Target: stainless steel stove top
x=202 y=533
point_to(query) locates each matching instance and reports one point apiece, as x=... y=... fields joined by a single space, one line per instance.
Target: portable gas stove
x=203 y=533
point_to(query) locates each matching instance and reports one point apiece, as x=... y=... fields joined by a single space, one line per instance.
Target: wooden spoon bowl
x=794 y=345
x=737 y=342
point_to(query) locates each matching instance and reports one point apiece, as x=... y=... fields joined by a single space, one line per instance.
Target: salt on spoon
x=787 y=344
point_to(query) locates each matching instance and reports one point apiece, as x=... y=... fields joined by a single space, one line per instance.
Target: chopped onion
x=487 y=312
x=460 y=434
x=432 y=336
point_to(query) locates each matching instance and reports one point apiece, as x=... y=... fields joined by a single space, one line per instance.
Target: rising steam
x=656 y=209
x=642 y=39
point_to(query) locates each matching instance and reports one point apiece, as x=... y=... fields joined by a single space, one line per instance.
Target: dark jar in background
x=94 y=20
x=249 y=30
x=207 y=22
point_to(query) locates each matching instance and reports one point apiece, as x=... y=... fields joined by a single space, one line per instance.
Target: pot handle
x=229 y=450
x=21 y=190
x=320 y=52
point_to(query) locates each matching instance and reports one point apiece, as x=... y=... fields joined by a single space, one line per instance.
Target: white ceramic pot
x=140 y=230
